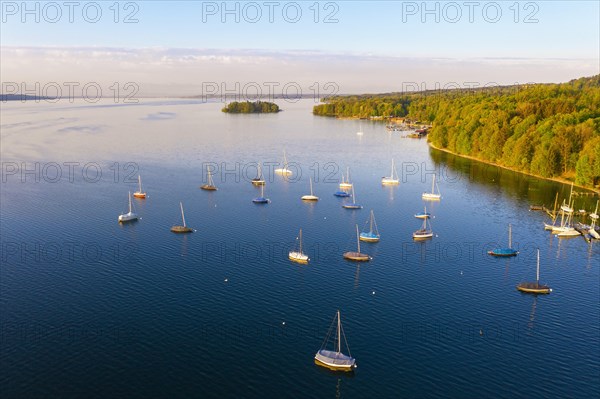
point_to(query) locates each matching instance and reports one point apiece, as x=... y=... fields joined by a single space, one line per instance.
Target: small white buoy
x=461 y=273
x=373 y=292
x=226 y=280
x=283 y=323
x=480 y=332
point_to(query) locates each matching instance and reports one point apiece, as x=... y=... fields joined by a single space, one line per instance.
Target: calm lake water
x=91 y=308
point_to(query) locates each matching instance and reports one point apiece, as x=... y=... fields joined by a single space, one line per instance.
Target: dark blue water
x=90 y=308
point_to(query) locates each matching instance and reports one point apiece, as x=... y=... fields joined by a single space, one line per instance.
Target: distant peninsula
x=247 y=107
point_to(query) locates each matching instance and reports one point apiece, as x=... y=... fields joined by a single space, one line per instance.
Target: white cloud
x=181 y=71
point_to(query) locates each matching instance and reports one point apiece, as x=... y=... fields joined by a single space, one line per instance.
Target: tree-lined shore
x=547 y=130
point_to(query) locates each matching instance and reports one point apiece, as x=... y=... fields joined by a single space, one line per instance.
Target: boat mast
x=537 y=279
x=509 y=235
x=182 y=216
x=300 y=240
x=433 y=184
x=130 y=202
x=140 y=182
x=357 y=239
x=371 y=221
x=353 y=197
x=339 y=335
x=347 y=174
x=392 y=172
x=310 y=180
x=284 y=160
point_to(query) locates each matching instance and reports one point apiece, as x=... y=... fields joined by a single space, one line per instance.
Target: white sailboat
x=393 y=178
x=357 y=256
x=311 y=196
x=284 y=171
x=259 y=180
x=432 y=196
x=129 y=216
x=373 y=234
x=139 y=194
x=297 y=255
x=424 y=232
x=210 y=185
x=184 y=228
x=345 y=184
x=335 y=359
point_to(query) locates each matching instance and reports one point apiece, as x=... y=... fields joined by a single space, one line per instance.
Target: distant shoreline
x=556 y=179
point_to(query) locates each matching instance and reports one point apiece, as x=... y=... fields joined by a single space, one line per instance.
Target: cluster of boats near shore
x=566 y=227
x=336 y=359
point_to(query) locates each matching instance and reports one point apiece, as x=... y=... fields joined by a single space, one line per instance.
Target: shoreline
x=555 y=179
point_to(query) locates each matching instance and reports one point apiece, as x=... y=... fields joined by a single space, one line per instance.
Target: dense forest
x=549 y=130
x=247 y=107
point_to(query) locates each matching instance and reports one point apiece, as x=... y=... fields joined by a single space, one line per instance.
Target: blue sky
x=564 y=32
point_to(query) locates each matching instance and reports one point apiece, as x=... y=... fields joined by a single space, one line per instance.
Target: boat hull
x=533 y=288
x=567 y=233
x=387 y=181
x=258 y=182
x=503 y=252
x=128 y=217
x=139 y=195
x=298 y=257
x=335 y=361
x=261 y=200
x=423 y=215
x=345 y=185
x=368 y=237
x=310 y=198
x=352 y=206
x=357 y=257
x=208 y=187
x=422 y=236
x=285 y=172
x=181 y=229
x=341 y=194
x=431 y=197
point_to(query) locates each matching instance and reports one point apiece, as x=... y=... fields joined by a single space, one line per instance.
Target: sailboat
x=432 y=195
x=259 y=180
x=423 y=233
x=594 y=217
x=210 y=185
x=298 y=256
x=505 y=251
x=353 y=205
x=184 y=228
x=284 y=171
x=371 y=235
x=565 y=209
x=311 y=196
x=261 y=199
x=346 y=183
x=139 y=193
x=335 y=359
x=423 y=215
x=392 y=179
x=357 y=256
x=535 y=288
x=129 y=216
